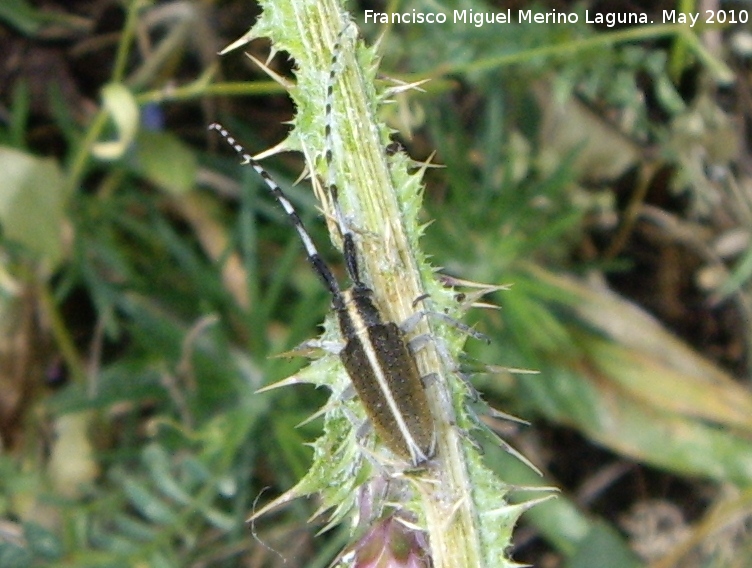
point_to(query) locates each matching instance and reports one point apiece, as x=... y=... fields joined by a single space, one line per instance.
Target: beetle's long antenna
x=321 y=268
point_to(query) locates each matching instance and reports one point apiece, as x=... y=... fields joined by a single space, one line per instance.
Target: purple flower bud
x=391 y=543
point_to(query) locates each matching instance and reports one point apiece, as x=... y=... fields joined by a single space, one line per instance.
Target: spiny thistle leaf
x=454 y=499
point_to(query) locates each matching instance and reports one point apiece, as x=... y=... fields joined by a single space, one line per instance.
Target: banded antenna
x=375 y=355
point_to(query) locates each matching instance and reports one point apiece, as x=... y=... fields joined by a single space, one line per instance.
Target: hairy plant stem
x=380 y=200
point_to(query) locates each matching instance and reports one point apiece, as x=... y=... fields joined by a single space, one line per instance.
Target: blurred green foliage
x=164 y=280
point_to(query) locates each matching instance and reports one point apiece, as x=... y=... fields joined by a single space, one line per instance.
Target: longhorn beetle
x=375 y=356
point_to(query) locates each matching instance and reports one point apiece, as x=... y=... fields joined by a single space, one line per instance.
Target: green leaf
x=13 y=556
x=158 y=464
x=147 y=503
x=602 y=547
x=32 y=201
x=741 y=274
x=120 y=105
x=165 y=161
x=20 y=15
x=42 y=542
